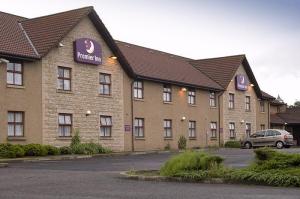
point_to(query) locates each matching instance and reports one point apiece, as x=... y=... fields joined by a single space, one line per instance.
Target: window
x=258 y=134
x=167 y=93
x=212 y=99
x=213 y=129
x=139 y=127
x=231 y=101
x=192 y=129
x=105 y=84
x=64 y=125
x=168 y=128
x=105 y=126
x=262 y=127
x=262 y=106
x=14 y=74
x=64 y=78
x=15 y=121
x=248 y=129
x=138 y=89
x=247 y=103
x=191 y=96
x=232 y=130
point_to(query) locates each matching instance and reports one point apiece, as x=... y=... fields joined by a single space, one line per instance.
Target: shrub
x=232 y=144
x=11 y=151
x=35 y=150
x=65 y=150
x=75 y=139
x=52 y=150
x=264 y=153
x=182 y=143
x=89 y=149
x=190 y=161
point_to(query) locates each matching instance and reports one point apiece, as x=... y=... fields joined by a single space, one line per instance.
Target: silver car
x=270 y=137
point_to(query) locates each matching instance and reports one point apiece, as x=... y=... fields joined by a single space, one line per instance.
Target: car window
x=258 y=134
x=270 y=133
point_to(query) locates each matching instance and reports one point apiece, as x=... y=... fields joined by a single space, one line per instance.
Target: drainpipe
x=219 y=117
x=132 y=119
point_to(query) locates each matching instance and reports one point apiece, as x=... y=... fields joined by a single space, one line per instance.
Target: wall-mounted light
x=242 y=121
x=61 y=44
x=183 y=118
x=251 y=85
x=88 y=112
x=183 y=89
x=2 y=60
x=285 y=124
x=113 y=57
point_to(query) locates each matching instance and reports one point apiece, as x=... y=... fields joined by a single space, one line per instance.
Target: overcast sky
x=267 y=31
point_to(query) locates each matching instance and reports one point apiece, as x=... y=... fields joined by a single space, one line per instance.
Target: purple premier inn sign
x=241 y=82
x=87 y=51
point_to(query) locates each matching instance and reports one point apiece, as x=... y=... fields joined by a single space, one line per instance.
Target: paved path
x=99 y=178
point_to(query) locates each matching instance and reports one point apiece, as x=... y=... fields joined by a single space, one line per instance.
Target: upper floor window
x=191 y=96
x=247 y=103
x=139 y=127
x=15 y=122
x=138 y=90
x=248 y=129
x=64 y=78
x=105 y=84
x=14 y=74
x=64 y=125
x=192 y=129
x=262 y=106
x=213 y=129
x=212 y=99
x=168 y=128
x=167 y=93
x=231 y=101
x=105 y=126
x=232 y=130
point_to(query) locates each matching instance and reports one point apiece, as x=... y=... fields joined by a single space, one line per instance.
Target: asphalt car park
x=99 y=177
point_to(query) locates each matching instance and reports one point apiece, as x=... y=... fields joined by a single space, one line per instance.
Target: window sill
x=192 y=105
x=137 y=138
x=106 y=138
x=168 y=138
x=16 y=138
x=170 y=103
x=105 y=96
x=65 y=92
x=213 y=107
x=138 y=100
x=15 y=86
x=192 y=138
x=64 y=138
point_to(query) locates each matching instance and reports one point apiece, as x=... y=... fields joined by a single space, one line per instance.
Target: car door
x=270 y=137
x=258 y=138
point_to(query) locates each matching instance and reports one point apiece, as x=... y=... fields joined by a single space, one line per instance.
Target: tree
x=297 y=104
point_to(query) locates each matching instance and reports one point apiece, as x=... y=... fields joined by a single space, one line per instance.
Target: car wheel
x=279 y=145
x=248 y=145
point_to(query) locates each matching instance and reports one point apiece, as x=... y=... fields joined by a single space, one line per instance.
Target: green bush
x=35 y=150
x=89 y=149
x=182 y=143
x=190 y=161
x=232 y=144
x=75 y=139
x=65 y=150
x=52 y=150
x=264 y=153
x=11 y=151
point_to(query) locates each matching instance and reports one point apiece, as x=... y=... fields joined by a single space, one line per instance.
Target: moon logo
x=90 y=48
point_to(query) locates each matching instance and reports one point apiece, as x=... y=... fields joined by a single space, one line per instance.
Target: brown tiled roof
x=13 y=41
x=156 y=65
x=267 y=96
x=47 y=31
x=220 y=69
x=275 y=119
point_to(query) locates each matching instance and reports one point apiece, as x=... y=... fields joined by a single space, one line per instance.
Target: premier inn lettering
x=87 y=51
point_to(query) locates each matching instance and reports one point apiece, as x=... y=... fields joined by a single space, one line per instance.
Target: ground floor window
x=213 y=129
x=139 y=127
x=65 y=125
x=105 y=126
x=192 y=129
x=248 y=129
x=15 y=121
x=168 y=128
x=232 y=130
x=262 y=127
